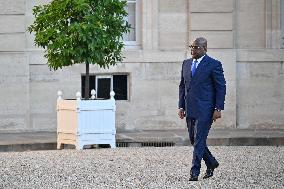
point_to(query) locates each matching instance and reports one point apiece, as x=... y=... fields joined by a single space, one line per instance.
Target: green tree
x=81 y=31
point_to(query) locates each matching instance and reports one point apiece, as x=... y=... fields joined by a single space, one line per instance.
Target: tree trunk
x=87 y=82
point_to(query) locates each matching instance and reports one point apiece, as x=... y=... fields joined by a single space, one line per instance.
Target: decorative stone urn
x=85 y=122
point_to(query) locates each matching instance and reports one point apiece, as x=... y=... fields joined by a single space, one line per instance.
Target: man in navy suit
x=202 y=91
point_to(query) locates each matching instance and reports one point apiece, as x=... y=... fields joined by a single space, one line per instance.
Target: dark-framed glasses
x=194 y=47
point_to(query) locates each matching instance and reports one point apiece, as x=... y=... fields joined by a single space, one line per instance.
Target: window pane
x=104 y=86
x=92 y=84
x=131 y=19
x=120 y=87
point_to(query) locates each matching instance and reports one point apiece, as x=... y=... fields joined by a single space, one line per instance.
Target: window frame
x=104 y=77
x=137 y=43
x=110 y=75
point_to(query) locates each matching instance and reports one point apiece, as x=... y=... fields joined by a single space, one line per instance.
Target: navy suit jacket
x=201 y=94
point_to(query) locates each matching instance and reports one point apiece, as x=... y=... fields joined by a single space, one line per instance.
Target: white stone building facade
x=245 y=35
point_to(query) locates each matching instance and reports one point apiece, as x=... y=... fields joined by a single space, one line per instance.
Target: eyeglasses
x=194 y=47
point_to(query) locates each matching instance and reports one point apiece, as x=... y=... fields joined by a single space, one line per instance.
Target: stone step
x=235 y=137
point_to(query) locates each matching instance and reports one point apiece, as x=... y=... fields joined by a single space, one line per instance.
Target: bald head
x=198 y=47
x=201 y=42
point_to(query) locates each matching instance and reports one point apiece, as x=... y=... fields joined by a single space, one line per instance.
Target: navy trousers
x=198 y=131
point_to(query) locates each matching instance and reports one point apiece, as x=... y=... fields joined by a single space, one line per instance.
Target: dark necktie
x=194 y=67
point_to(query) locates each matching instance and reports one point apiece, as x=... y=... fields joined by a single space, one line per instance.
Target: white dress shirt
x=198 y=61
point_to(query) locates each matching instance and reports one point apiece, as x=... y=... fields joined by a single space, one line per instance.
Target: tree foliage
x=80 y=31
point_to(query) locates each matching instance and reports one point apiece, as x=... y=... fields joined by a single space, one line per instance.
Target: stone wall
x=243 y=34
x=14 y=71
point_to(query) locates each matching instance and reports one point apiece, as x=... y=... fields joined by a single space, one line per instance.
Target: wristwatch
x=218 y=110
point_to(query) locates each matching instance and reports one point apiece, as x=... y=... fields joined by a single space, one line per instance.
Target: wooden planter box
x=85 y=122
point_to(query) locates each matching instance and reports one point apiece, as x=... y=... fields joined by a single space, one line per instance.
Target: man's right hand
x=181 y=113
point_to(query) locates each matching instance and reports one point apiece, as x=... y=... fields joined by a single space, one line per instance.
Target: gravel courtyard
x=168 y=167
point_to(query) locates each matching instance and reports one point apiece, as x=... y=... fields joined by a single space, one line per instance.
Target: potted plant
x=80 y=31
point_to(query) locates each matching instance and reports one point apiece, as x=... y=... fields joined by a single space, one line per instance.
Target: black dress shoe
x=209 y=171
x=193 y=178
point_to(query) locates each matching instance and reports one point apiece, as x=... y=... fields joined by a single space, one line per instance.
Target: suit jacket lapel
x=199 y=69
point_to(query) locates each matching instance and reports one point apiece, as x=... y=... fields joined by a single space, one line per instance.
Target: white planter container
x=85 y=122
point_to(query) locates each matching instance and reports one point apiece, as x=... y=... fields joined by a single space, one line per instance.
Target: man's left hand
x=216 y=115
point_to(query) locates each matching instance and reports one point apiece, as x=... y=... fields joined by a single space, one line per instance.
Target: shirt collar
x=199 y=59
